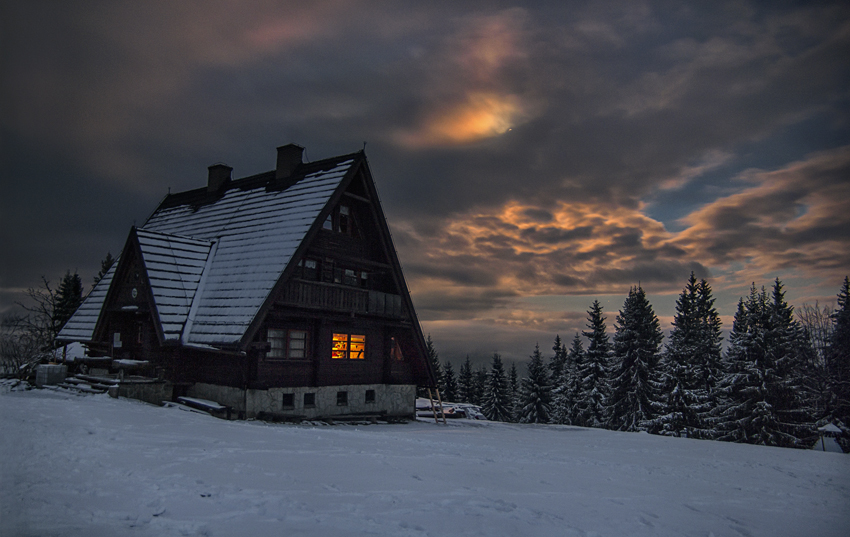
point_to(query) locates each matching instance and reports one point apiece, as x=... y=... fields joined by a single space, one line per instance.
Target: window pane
x=277 y=343
x=297 y=343
x=340 y=346
x=358 y=347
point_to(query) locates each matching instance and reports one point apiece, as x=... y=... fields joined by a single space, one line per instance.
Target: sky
x=530 y=158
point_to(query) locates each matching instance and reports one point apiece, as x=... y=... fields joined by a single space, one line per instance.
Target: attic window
x=341 y=221
x=348 y=347
x=287 y=344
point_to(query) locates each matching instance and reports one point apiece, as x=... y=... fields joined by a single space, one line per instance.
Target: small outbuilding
x=278 y=293
x=828 y=439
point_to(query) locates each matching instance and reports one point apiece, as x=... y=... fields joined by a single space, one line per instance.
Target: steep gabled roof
x=257 y=226
x=81 y=325
x=174 y=267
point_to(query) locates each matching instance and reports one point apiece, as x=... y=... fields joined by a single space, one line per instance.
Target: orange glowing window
x=348 y=347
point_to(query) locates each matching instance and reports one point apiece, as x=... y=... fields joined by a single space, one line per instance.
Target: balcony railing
x=341 y=298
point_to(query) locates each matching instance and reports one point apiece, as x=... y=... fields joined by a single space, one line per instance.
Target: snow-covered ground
x=89 y=466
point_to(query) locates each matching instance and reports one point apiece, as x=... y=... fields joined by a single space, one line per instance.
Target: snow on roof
x=830 y=428
x=174 y=267
x=257 y=232
x=80 y=327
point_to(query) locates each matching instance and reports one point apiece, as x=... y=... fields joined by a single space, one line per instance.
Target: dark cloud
x=558 y=148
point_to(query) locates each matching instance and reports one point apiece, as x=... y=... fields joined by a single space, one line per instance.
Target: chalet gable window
x=341 y=221
x=348 y=347
x=308 y=269
x=287 y=344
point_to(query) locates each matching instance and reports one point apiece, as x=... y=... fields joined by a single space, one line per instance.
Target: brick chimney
x=219 y=177
x=288 y=158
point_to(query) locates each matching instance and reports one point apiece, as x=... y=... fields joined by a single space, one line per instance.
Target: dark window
x=344 y=220
x=288 y=400
x=309 y=400
x=342 y=398
x=308 y=269
x=370 y=396
x=287 y=344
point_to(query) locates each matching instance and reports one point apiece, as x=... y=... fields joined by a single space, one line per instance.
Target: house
x=279 y=293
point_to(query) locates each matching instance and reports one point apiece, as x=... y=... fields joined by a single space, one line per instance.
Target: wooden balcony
x=341 y=298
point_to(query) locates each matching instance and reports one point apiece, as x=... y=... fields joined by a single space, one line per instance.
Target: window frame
x=345 y=349
x=284 y=351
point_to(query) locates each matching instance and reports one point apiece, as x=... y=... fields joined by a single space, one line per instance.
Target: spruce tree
x=495 y=404
x=763 y=381
x=691 y=364
x=556 y=362
x=450 y=393
x=465 y=384
x=513 y=389
x=105 y=265
x=535 y=393
x=434 y=357
x=592 y=373
x=838 y=358
x=69 y=296
x=479 y=382
x=635 y=388
x=566 y=389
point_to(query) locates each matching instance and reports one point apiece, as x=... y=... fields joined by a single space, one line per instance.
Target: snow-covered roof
x=213 y=258
x=830 y=428
x=256 y=231
x=174 y=266
x=80 y=327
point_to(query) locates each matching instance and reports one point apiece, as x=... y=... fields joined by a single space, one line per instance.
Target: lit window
x=291 y=344
x=348 y=347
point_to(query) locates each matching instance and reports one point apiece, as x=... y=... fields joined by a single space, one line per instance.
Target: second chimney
x=219 y=176
x=288 y=158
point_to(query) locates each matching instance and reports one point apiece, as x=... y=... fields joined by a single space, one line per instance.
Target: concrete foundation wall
x=389 y=400
x=154 y=393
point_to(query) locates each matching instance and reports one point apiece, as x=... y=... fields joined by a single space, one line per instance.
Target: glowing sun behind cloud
x=482 y=115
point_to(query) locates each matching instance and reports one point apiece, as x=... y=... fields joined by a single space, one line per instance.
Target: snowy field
x=91 y=466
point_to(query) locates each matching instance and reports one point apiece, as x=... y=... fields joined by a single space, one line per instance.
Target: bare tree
x=818 y=326
x=27 y=339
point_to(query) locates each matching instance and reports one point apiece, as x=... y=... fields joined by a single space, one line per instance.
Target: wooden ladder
x=434 y=405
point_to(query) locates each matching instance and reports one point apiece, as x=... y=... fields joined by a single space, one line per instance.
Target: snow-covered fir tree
x=559 y=355
x=838 y=358
x=635 y=387
x=535 y=391
x=479 y=382
x=592 y=373
x=69 y=296
x=450 y=390
x=691 y=365
x=496 y=402
x=465 y=384
x=566 y=387
x=434 y=357
x=762 y=387
x=513 y=390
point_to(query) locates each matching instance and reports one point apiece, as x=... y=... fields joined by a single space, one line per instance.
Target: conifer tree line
x=781 y=376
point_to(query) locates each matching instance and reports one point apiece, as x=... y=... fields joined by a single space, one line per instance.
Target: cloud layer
x=549 y=150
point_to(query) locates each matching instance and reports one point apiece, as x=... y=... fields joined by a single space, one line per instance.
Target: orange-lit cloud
x=794 y=219
x=468 y=96
x=483 y=115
